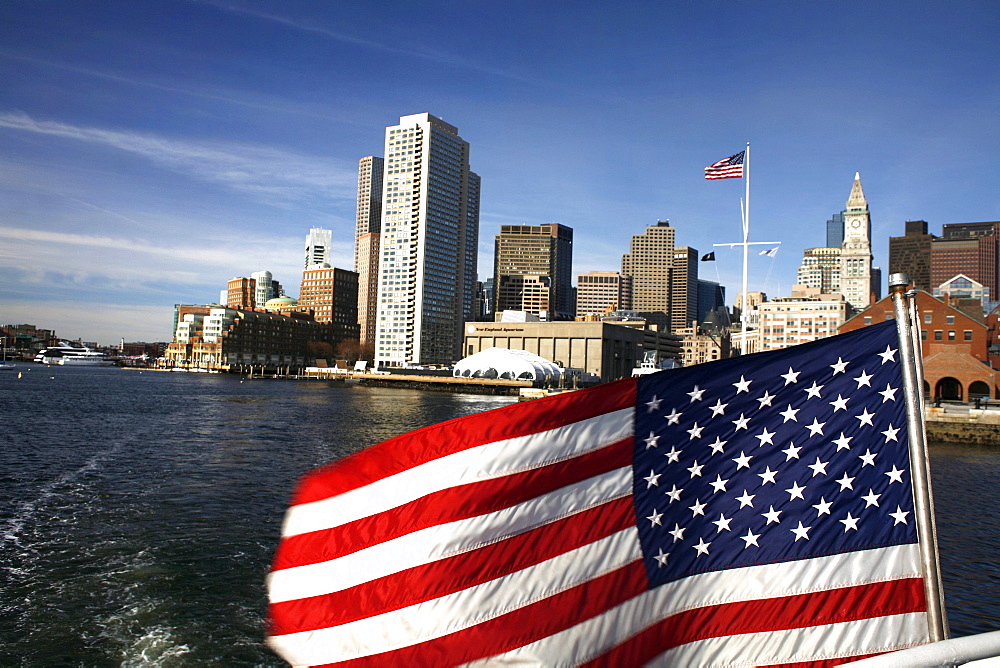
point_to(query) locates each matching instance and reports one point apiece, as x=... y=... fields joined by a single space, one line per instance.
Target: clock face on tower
x=856 y=223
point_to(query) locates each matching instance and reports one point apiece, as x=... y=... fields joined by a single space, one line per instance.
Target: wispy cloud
x=431 y=55
x=253 y=101
x=39 y=258
x=265 y=172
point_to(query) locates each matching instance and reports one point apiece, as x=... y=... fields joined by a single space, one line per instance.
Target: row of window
x=952 y=334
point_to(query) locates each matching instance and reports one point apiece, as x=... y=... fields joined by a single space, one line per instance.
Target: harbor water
x=139 y=510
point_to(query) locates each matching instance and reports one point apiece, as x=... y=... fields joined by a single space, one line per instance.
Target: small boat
x=650 y=365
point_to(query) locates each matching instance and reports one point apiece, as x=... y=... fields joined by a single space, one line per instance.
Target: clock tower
x=856 y=252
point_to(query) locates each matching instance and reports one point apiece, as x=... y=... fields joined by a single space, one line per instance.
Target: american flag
x=752 y=511
x=727 y=168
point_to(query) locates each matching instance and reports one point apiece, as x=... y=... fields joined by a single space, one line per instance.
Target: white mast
x=746 y=243
x=746 y=246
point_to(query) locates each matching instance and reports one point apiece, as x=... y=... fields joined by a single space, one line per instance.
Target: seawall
x=958 y=424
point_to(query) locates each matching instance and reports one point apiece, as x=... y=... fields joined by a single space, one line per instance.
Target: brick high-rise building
x=332 y=296
x=972 y=249
x=241 y=293
x=910 y=254
x=430 y=233
x=366 y=243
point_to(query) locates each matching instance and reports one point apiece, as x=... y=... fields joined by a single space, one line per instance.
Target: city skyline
x=152 y=152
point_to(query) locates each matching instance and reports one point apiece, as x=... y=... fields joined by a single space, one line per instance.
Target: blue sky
x=150 y=151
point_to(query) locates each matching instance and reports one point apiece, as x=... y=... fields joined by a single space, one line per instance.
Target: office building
x=963 y=287
x=264 y=287
x=331 y=295
x=835 y=231
x=368 y=225
x=318 y=244
x=910 y=254
x=429 y=236
x=601 y=292
x=711 y=299
x=543 y=252
x=820 y=269
x=806 y=316
x=649 y=263
x=684 y=288
x=972 y=249
x=856 y=282
x=241 y=293
x=705 y=342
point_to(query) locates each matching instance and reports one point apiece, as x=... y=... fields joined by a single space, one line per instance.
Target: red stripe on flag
x=423 y=445
x=448 y=505
x=773 y=614
x=446 y=576
x=519 y=627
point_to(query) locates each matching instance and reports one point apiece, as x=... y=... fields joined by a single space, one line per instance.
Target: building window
x=923 y=335
x=968 y=335
x=949 y=320
x=927 y=318
x=868 y=320
x=951 y=335
x=938 y=335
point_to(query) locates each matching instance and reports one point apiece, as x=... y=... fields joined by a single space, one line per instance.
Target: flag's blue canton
x=773 y=457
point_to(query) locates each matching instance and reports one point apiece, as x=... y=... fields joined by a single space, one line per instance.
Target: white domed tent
x=509 y=364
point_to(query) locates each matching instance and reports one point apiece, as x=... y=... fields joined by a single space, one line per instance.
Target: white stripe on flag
x=437 y=542
x=492 y=460
x=599 y=634
x=865 y=636
x=463 y=609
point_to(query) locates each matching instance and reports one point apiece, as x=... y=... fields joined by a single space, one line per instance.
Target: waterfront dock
x=963 y=423
x=417 y=381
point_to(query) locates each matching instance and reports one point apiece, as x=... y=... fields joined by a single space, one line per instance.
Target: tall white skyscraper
x=429 y=237
x=318 y=245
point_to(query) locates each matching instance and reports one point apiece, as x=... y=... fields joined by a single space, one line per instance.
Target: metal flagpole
x=923 y=504
x=746 y=246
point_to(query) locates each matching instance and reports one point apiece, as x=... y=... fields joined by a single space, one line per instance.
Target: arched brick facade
x=956 y=361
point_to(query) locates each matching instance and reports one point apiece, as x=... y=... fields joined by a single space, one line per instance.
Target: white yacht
x=71 y=354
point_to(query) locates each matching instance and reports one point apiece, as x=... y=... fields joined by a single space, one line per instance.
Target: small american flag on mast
x=727 y=168
x=754 y=511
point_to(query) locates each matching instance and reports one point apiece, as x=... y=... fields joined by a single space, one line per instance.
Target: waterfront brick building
x=332 y=296
x=224 y=339
x=954 y=346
